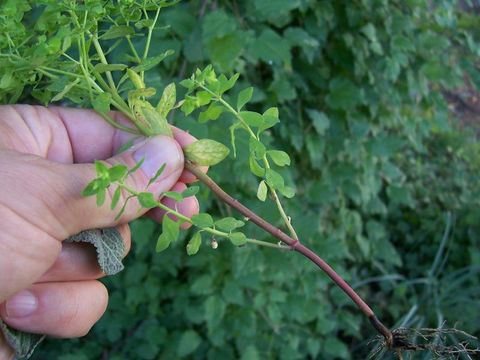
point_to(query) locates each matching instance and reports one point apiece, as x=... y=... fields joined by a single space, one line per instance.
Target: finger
x=67 y=135
x=64 y=309
x=61 y=134
x=188 y=207
x=78 y=261
x=184 y=139
x=53 y=199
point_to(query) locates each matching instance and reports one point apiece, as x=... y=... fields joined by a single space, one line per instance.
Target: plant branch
x=149 y=36
x=276 y=198
x=103 y=60
x=297 y=246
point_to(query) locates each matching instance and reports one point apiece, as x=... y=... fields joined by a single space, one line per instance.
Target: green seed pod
x=206 y=152
x=149 y=120
x=136 y=79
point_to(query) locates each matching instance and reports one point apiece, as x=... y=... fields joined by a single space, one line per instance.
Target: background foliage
x=387 y=185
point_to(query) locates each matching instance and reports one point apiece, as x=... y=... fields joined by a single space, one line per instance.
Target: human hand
x=46 y=156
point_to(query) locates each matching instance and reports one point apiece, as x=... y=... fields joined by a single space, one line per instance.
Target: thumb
x=83 y=211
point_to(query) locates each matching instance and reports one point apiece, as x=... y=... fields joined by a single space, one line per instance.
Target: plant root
x=441 y=342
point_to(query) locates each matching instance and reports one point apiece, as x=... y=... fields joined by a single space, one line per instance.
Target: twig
x=297 y=246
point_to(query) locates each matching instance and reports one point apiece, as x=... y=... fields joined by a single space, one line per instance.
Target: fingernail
x=23 y=304
x=156 y=151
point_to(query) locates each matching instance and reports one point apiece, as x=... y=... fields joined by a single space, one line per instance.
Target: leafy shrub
x=387 y=189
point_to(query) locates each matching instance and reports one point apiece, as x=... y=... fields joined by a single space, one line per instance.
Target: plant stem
x=134 y=51
x=103 y=60
x=267 y=244
x=150 y=31
x=295 y=245
x=276 y=198
x=184 y=218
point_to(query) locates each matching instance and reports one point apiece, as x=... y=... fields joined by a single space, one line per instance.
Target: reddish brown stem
x=295 y=245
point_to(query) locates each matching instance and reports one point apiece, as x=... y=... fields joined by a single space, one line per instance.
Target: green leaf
x=203 y=97
x=141 y=93
x=109 y=245
x=150 y=63
x=344 y=94
x=226 y=84
x=270 y=118
x=101 y=68
x=212 y=113
x=101 y=196
x=224 y=52
x=190 y=191
x=206 y=152
x=144 y=23
x=299 y=37
x=6 y=80
x=167 y=101
x=187 y=83
x=250 y=353
x=271 y=47
x=228 y=224
x=117 y=172
x=170 y=232
x=116 y=197
x=163 y=242
x=189 y=342
x=173 y=195
x=257 y=148
x=287 y=191
x=274 y=179
x=147 y=200
x=335 y=348
x=202 y=220
x=116 y=31
x=218 y=24
x=21 y=342
x=65 y=91
x=92 y=188
x=255 y=168
x=262 y=191
x=244 y=97
x=279 y=157
x=320 y=121
x=101 y=169
x=238 y=238
x=252 y=118
x=157 y=174
x=194 y=244
x=101 y=103
x=136 y=167
x=214 y=311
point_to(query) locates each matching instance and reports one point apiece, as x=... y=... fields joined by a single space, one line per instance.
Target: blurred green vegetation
x=387 y=184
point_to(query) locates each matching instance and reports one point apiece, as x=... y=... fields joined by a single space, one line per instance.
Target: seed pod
x=136 y=79
x=149 y=120
x=214 y=244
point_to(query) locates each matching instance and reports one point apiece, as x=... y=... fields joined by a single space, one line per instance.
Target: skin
x=46 y=157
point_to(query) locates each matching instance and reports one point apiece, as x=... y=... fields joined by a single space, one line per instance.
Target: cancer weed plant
x=67 y=59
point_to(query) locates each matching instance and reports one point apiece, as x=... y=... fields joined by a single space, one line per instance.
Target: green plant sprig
x=208 y=82
x=256 y=137
x=116 y=176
